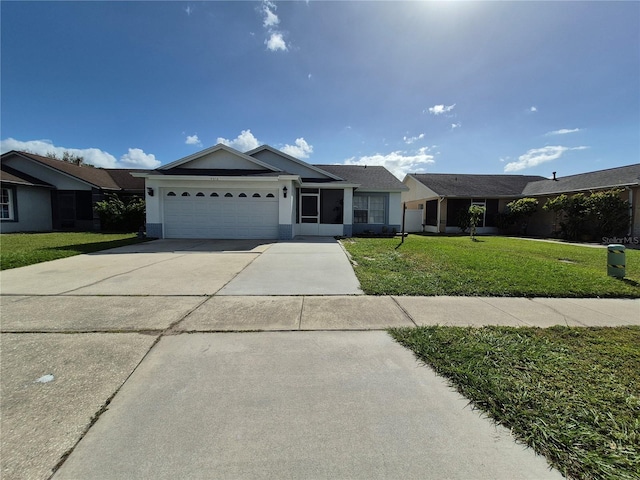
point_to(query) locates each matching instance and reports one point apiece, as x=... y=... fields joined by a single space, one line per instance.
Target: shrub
x=610 y=213
x=116 y=215
x=599 y=214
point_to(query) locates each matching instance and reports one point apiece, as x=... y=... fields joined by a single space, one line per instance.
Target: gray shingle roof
x=612 y=177
x=369 y=178
x=481 y=186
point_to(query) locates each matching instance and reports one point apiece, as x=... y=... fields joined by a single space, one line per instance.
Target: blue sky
x=448 y=87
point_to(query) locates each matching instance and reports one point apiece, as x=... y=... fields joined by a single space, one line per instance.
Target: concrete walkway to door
x=304 y=266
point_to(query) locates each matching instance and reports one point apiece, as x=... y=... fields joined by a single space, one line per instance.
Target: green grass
x=571 y=394
x=492 y=266
x=20 y=249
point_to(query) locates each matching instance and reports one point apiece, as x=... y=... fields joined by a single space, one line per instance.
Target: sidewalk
x=93 y=346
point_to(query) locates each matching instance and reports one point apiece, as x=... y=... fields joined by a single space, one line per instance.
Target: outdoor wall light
x=150 y=191
x=284 y=191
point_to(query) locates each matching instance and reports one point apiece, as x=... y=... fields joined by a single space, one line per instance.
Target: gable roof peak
x=291 y=158
x=216 y=148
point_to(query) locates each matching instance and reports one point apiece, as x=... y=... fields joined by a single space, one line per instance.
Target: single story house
x=43 y=194
x=222 y=193
x=437 y=199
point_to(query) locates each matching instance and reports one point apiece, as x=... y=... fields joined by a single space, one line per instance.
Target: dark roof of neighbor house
x=13 y=176
x=104 y=178
x=469 y=185
x=369 y=177
x=609 y=178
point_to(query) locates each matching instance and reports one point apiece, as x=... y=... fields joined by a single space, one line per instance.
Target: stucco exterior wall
x=33 y=211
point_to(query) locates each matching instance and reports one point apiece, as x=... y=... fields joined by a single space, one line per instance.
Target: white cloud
x=276 y=42
x=563 y=131
x=188 y=10
x=536 y=156
x=455 y=125
x=243 y=142
x=301 y=149
x=270 y=18
x=410 y=140
x=440 y=109
x=135 y=158
x=533 y=109
x=193 y=140
x=399 y=163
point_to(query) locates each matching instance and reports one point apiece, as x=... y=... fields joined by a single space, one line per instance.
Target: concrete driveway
x=194 y=267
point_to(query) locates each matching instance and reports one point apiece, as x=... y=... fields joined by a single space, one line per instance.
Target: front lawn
x=20 y=249
x=491 y=266
x=572 y=394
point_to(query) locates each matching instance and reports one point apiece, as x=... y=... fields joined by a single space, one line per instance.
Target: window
x=243 y=195
x=171 y=194
x=270 y=195
x=369 y=209
x=186 y=194
x=6 y=204
x=228 y=195
x=214 y=194
x=199 y=194
x=256 y=195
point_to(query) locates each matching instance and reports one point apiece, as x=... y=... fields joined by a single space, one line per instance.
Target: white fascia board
x=210 y=178
x=293 y=159
x=213 y=149
x=328 y=185
x=383 y=190
x=140 y=174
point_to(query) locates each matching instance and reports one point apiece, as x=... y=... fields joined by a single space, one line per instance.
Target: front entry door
x=309 y=211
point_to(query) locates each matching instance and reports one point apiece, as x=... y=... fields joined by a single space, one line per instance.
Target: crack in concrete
x=406 y=313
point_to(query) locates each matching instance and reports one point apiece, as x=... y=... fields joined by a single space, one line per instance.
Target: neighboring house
x=42 y=194
x=440 y=197
x=266 y=194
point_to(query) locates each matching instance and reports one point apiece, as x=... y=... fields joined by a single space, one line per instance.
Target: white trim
x=10 y=204
x=327 y=186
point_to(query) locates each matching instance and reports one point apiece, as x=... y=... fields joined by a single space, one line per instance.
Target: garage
x=220 y=213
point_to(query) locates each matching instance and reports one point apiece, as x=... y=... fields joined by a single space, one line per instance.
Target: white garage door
x=221 y=213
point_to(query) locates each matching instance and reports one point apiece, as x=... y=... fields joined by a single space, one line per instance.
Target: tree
x=520 y=211
x=68 y=157
x=476 y=213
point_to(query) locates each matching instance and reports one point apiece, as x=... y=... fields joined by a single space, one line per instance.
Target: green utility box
x=616 y=261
